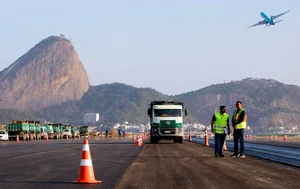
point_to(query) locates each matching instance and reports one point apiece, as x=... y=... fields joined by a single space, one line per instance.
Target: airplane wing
x=274 y=17
x=259 y=23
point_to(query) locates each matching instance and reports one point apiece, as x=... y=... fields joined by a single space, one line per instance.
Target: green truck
x=25 y=130
x=47 y=131
x=57 y=130
x=166 y=120
x=84 y=130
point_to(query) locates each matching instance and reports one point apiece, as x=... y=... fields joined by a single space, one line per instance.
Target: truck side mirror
x=186 y=112
x=149 y=112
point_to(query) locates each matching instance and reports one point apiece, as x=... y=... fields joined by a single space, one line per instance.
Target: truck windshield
x=167 y=112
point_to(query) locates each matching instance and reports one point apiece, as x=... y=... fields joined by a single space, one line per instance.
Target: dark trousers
x=219 y=142
x=239 y=135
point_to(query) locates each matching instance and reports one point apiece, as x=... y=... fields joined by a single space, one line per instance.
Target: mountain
x=51 y=81
x=50 y=73
x=114 y=102
x=269 y=103
x=7 y=115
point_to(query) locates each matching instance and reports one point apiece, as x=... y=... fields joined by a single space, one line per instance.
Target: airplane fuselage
x=266 y=18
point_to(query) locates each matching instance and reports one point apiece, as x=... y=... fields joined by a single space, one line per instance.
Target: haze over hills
x=50 y=81
x=48 y=74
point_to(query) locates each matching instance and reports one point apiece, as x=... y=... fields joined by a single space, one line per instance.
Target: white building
x=90 y=118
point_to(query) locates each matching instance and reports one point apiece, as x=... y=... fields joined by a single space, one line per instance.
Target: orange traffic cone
x=47 y=138
x=224 y=146
x=86 y=172
x=17 y=140
x=139 y=142
x=206 y=138
x=190 y=137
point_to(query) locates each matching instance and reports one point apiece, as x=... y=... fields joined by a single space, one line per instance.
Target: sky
x=172 y=46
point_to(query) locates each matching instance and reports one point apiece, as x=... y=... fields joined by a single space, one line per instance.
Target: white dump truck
x=166 y=120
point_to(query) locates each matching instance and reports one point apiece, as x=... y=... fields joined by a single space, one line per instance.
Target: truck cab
x=84 y=131
x=44 y=133
x=3 y=135
x=166 y=120
x=67 y=132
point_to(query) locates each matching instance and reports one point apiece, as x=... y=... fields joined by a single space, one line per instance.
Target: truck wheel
x=180 y=140
x=153 y=140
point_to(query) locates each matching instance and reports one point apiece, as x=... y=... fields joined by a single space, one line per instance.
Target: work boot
x=217 y=155
x=242 y=155
x=221 y=155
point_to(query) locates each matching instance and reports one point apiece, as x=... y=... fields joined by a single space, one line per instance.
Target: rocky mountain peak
x=48 y=74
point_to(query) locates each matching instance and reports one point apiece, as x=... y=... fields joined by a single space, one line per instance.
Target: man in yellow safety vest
x=220 y=127
x=239 y=120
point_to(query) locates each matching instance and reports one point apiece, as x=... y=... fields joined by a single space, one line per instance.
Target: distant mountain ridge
x=269 y=103
x=114 y=102
x=50 y=82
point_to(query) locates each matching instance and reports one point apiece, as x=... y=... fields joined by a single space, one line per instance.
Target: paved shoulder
x=194 y=166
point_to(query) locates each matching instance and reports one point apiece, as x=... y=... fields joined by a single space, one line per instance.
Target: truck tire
x=180 y=140
x=154 y=140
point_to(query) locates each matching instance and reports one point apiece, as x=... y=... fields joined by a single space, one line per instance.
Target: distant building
x=90 y=118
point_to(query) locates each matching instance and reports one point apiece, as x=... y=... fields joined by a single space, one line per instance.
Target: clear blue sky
x=173 y=46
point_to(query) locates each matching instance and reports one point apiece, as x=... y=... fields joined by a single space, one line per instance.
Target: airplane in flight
x=269 y=21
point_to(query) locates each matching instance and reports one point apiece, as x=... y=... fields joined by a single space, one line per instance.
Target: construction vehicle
x=30 y=130
x=47 y=132
x=44 y=133
x=84 y=131
x=166 y=120
x=74 y=132
x=57 y=130
x=66 y=131
x=34 y=130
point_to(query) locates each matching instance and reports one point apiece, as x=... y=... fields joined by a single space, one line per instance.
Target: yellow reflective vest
x=236 y=115
x=220 y=122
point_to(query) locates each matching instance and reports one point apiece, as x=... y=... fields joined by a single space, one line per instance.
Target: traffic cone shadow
x=86 y=171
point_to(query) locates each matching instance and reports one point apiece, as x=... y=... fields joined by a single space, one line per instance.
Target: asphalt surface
x=281 y=143
x=288 y=153
x=118 y=163
x=55 y=163
x=193 y=166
